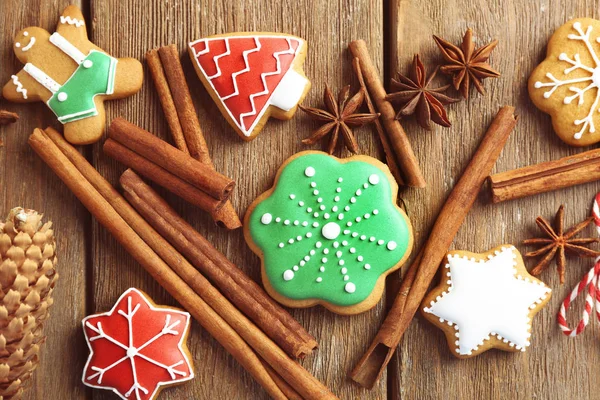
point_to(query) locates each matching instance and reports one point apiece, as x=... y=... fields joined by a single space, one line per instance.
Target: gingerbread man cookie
x=71 y=75
x=485 y=301
x=566 y=84
x=252 y=76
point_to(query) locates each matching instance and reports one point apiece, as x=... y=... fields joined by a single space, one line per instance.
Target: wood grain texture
x=130 y=28
x=26 y=181
x=554 y=366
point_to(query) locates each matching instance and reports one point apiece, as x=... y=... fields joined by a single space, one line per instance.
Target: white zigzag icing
x=71 y=21
x=216 y=59
x=263 y=77
x=203 y=52
x=235 y=74
x=19 y=86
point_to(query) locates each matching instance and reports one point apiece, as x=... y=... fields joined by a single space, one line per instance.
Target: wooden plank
x=130 y=28
x=26 y=181
x=554 y=366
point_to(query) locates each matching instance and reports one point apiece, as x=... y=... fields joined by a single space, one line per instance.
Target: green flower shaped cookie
x=329 y=232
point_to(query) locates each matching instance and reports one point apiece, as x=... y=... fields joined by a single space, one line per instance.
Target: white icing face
x=25 y=43
x=488 y=298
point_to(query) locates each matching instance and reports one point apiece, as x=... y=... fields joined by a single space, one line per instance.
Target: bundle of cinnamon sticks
x=398 y=150
x=268 y=363
x=423 y=269
x=167 y=166
x=181 y=116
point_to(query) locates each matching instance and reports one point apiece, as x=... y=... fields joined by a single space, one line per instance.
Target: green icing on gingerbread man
x=329 y=229
x=72 y=75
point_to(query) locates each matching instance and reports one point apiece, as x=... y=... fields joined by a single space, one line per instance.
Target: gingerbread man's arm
x=22 y=88
x=72 y=26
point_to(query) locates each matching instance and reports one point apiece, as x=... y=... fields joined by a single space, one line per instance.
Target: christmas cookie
x=137 y=348
x=566 y=84
x=252 y=76
x=71 y=75
x=328 y=232
x=485 y=301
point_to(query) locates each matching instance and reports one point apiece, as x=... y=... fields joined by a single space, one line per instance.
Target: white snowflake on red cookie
x=137 y=348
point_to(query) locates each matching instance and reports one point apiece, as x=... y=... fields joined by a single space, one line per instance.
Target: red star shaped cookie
x=137 y=348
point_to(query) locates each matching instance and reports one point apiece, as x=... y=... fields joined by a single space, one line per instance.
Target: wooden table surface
x=95 y=270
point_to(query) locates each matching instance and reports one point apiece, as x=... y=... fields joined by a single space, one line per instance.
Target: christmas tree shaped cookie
x=329 y=232
x=71 y=75
x=566 y=84
x=252 y=76
x=137 y=348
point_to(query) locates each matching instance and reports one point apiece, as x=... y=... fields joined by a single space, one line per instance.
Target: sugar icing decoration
x=29 y=44
x=319 y=243
x=136 y=348
x=74 y=100
x=250 y=73
x=19 y=86
x=487 y=298
x=65 y=19
x=590 y=82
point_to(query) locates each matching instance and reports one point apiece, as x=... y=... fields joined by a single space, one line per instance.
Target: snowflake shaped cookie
x=566 y=84
x=328 y=232
x=485 y=301
x=137 y=348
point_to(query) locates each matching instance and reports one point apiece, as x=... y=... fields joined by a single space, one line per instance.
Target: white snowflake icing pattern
x=131 y=352
x=332 y=229
x=593 y=79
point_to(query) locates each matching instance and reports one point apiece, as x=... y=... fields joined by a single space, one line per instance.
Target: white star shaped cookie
x=486 y=301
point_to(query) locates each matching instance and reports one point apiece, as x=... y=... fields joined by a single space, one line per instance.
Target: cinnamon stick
x=130 y=229
x=287 y=390
x=390 y=159
x=397 y=137
x=449 y=220
x=137 y=247
x=161 y=176
x=166 y=99
x=182 y=118
x=186 y=112
x=248 y=296
x=170 y=158
x=8 y=117
x=547 y=176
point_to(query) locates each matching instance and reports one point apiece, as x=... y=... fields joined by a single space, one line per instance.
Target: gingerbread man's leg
x=128 y=78
x=88 y=130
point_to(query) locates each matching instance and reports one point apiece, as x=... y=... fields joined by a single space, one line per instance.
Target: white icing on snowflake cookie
x=137 y=348
x=566 y=84
x=485 y=301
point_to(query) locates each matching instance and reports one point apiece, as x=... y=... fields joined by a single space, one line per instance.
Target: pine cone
x=27 y=279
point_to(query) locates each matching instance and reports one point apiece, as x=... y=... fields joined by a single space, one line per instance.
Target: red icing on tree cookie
x=245 y=71
x=136 y=348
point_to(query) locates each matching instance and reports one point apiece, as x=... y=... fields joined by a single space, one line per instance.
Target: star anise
x=557 y=242
x=339 y=116
x=418 y=98
x=466 y=64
